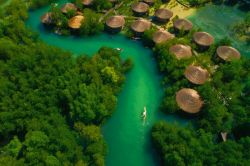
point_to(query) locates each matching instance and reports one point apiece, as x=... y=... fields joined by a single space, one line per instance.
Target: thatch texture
x=46 y=18
x=163 y=15
x=228 y=53
x=115 y=22
x=183 y=24
x=68 y=7
x=140 y=25
x=189 y=100
x=87 y=2
x=196 y=74
x=76 y=22
x=203 y=39
x=162 y=36
x=181 y=51
x=149 y=2
x=140 y=7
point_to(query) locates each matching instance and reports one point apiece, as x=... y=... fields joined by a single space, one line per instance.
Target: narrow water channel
x=127 y=136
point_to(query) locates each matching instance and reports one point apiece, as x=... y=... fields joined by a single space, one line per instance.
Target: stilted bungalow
x=114 y=24
x=181 y=51
x=162 y=36
x=189 y=100
x=227 y=53
x=203 y=39
x=46 y=19
x=196 y=74
x=149 y=2
x=163 y=15
x=75 y=22
x=68 y=7
x=140 y=8
x=140 y=26
x=182 y=25
x=87 y=3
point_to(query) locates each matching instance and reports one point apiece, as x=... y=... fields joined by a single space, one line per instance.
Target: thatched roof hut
x=227 y=53
x=189 y=100
x=163 y=15
x=68 y=7
x=203 y=39
x=113 y=1
x=196 y=74
x=140 y=8
x=46 y=18
x=76 y=22
x=115 y=23
x=162 y=36
x=149 y=2
x=183 y=24
x=181 y=51
x=140 y=25
x=87 y=2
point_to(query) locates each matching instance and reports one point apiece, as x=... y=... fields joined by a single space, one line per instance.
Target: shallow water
x=127 y=136
x=217 y=20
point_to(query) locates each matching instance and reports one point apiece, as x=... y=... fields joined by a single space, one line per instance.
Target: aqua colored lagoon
x=127 y=135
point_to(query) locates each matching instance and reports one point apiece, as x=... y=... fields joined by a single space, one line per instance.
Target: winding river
x=127 y=136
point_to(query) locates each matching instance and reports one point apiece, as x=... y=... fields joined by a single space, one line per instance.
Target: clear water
x=127 y=135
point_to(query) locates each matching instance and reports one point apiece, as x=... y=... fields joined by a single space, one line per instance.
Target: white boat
x=119 y=49
x=144 y=114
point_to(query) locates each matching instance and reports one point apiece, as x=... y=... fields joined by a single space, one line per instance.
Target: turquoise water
x=217 y=20
x=127 y=136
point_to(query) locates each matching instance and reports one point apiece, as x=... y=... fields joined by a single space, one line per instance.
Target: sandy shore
x=178 y=9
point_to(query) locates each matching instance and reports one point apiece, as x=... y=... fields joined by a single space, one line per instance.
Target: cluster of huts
x=187 y=99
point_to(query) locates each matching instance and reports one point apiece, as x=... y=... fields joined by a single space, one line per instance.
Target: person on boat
x=144 y=114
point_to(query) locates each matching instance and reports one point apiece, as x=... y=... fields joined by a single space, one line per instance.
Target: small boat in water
x=119 y=49
x=144 y=114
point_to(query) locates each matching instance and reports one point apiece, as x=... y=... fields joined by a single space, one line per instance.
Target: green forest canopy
x=51 y=103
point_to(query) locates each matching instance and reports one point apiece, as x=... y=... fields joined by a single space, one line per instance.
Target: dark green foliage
x=91 y=24
x=45 y=92
x=184 y=146
x=225 y=109
x=35 y=4
x=241 y=29
x=101 y=5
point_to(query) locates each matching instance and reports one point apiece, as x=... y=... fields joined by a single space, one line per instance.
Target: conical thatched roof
x=203 y=38
x=87 y=2
x=115 y=21
x=68 y=6
x=189 y=100
x=181 y=51
x=149 y=2
x=228 y=53
x=140 y=25
x=183 y=24
x=196 y=74
x=162 y=36
x=163 y=14
x=76 y=22
x=140 y=7
x=46 y=18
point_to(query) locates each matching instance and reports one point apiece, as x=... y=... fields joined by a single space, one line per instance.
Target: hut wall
x=112 y=30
